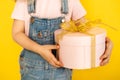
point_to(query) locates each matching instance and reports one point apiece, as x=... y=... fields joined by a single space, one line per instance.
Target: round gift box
x=81 y=50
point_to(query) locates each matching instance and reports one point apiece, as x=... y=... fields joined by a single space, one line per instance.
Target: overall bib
x=32 y=65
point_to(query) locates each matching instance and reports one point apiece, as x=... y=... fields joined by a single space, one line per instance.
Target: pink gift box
x=81 y=50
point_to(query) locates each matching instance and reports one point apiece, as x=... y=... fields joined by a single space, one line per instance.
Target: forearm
x=18 y=34
x=27 y=43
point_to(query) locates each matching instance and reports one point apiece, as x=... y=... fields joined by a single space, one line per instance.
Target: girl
x=34 y=24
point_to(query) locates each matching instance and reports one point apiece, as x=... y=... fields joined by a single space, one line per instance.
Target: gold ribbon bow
x=83 y=26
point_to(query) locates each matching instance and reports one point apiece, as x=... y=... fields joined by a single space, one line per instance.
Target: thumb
x=103 y=56
x=54 y=47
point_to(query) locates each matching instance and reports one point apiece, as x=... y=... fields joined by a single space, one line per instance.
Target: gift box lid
x=83 y=39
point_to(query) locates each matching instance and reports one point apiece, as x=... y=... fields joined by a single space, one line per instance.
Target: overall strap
x=32 y=3
x=64 y=6
x=31 y=6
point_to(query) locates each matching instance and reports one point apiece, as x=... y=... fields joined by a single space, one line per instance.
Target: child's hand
x=106 y=56
x=48 y=56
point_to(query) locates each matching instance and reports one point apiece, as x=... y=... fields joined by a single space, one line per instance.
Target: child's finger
x=109 y=43
x=105 y=55
x=52 y=46
x=53 y=64
x=104 y=61
x=57 y=62
x=108 y=49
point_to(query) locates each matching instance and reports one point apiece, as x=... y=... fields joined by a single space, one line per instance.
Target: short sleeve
x=78 y=10
x=19 y=10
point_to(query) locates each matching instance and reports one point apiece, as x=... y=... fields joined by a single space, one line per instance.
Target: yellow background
x=107 y=10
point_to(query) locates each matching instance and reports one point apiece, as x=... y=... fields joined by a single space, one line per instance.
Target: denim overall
x=32 y=65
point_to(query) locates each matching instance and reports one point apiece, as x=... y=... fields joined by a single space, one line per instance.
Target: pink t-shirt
x=47 y=9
